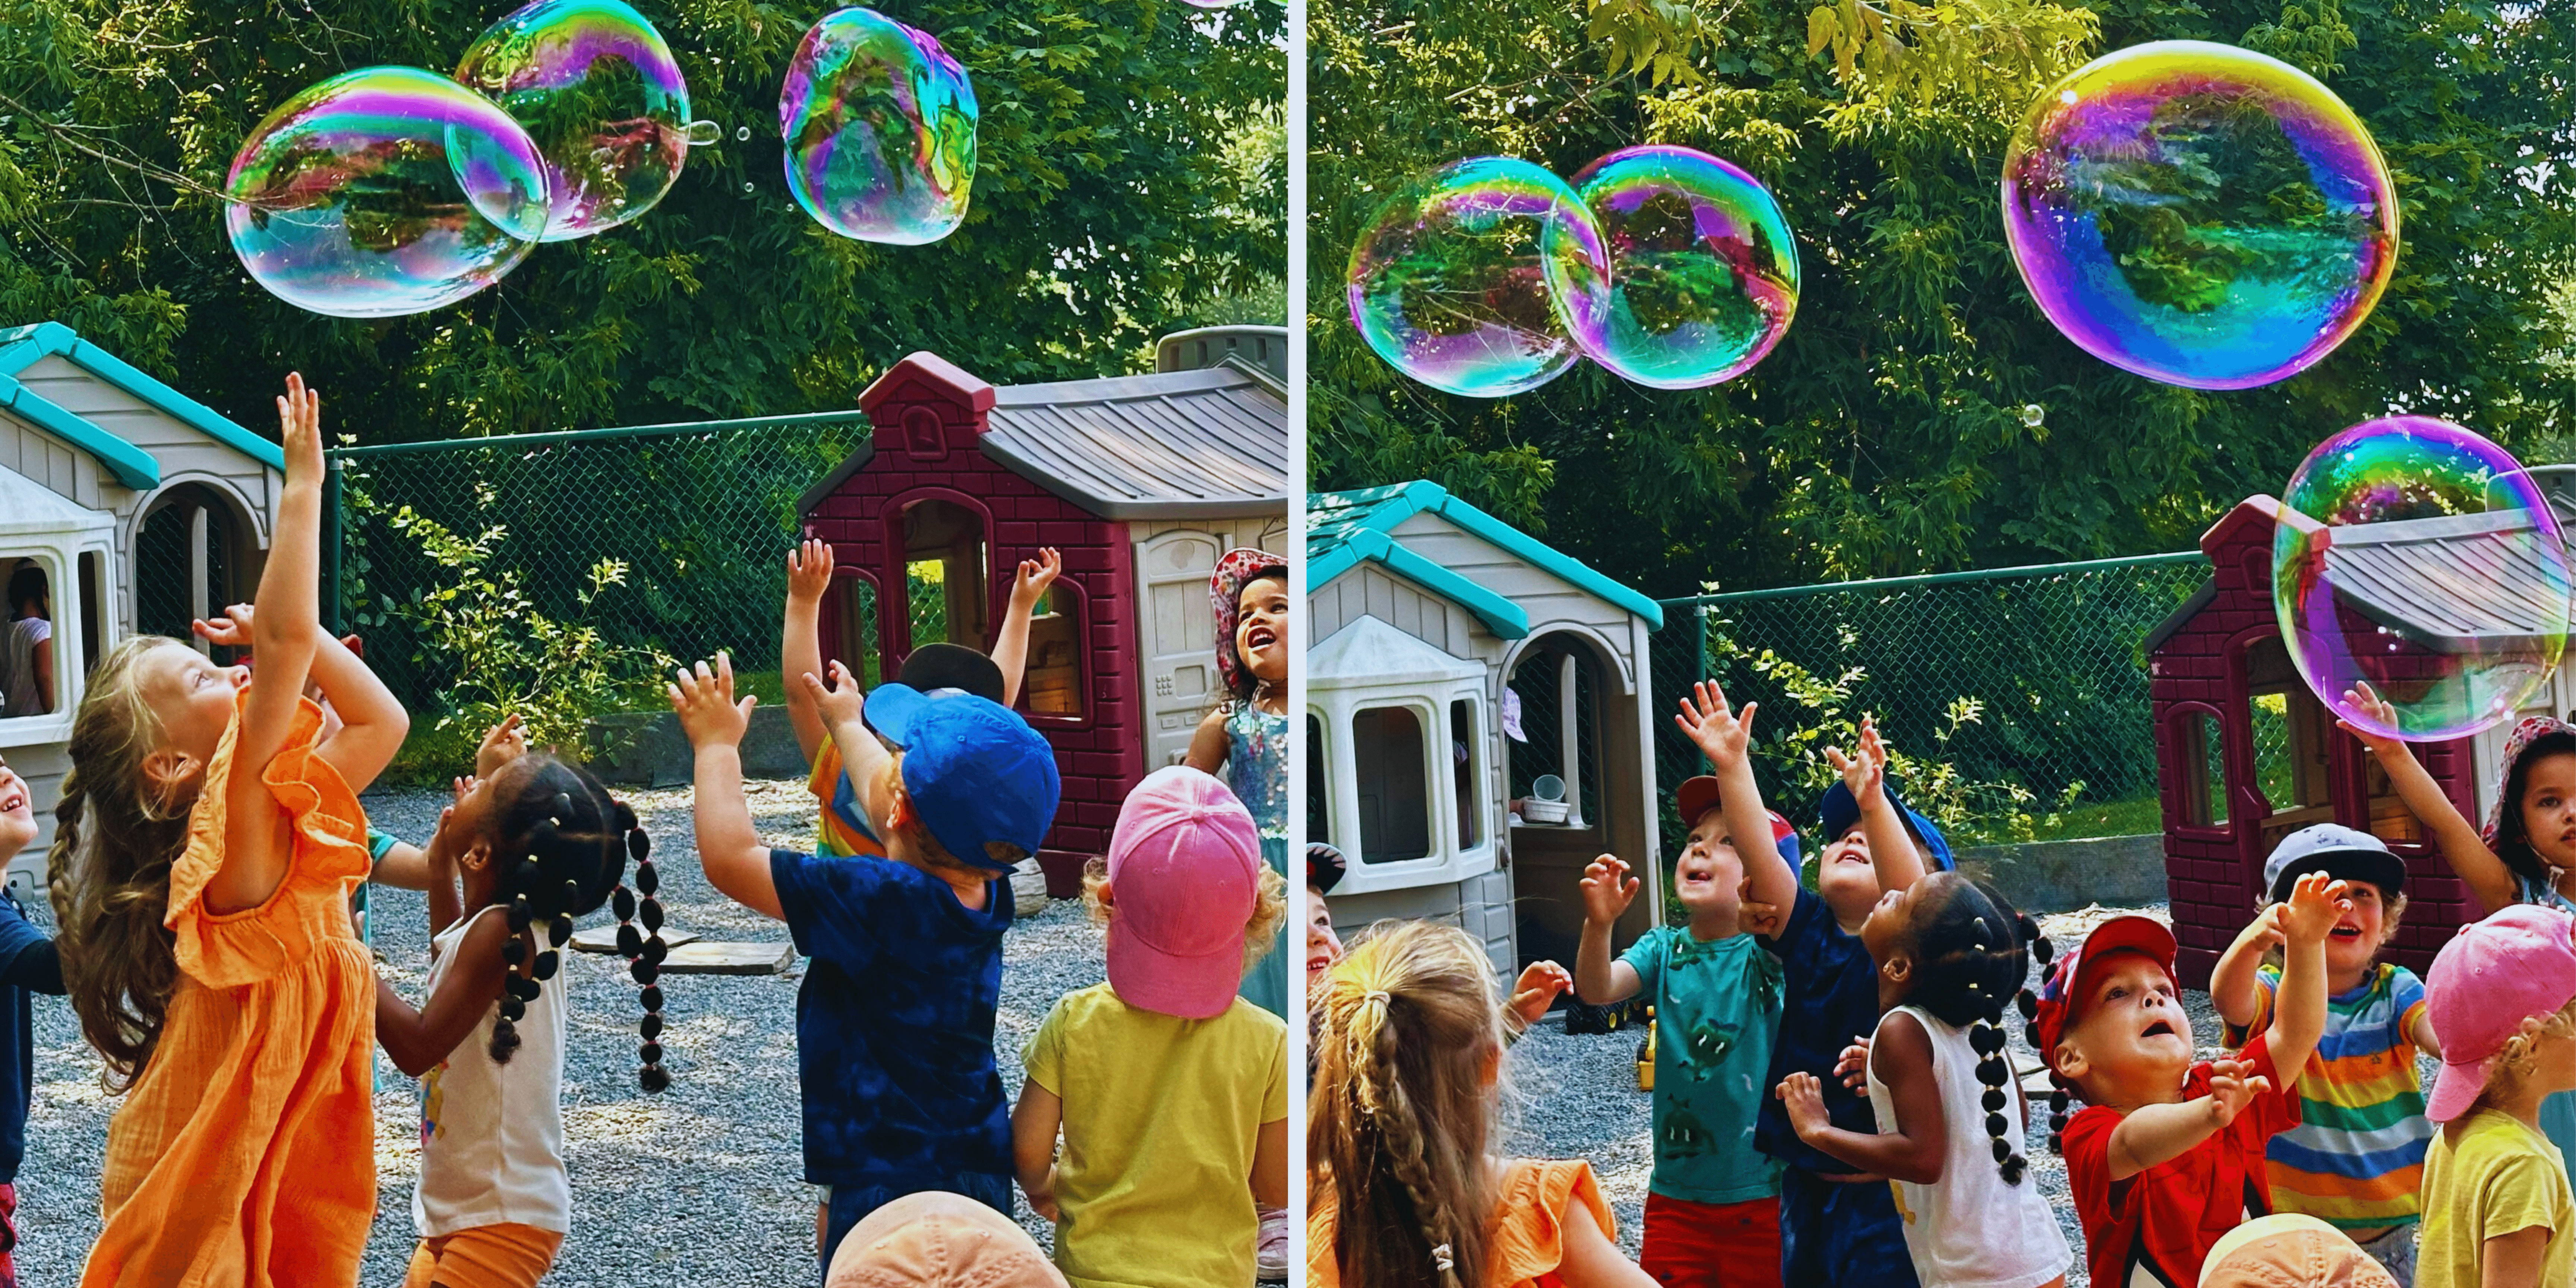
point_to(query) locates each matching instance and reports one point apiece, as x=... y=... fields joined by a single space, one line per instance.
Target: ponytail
x=1974 y=953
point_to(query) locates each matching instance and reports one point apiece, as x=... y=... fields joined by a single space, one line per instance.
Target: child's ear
x=476 y=856
x=1108 y=895
x=1899 y=968
x=168 y=769
x=2068 y=1060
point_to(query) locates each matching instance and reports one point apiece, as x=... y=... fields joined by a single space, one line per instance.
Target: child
x=27 y=646
x=2356 y=1158
x=921 y=1240
x=537 y=843
x=27 y=964
x=1171 y=1091
x=1399 y=1128
x=1837 y=1226
x=894 y=1023
x=1247 y=735
x=841 y=827
x=2288 y=1250
x=1712 y=1207
x=2526 y=853
x=1948 y=952
x=205 y=928
x=2497 y=1209
x=2167 y=1154
x=1324 y=868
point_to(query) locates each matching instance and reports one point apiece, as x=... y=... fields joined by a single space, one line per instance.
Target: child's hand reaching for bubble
x=1607 y=889
x=1537 y=989
x=232 y=630
x=843 y=702
x=2316 y=903
x=1804 y=1097
x=1720 y=734
x=502 y=743
x=705 y=704
x=2366 y=700
x=1864 y=775
x=299 y=432
x=2230 y=1090
x=809 y=571
x=1030 y=582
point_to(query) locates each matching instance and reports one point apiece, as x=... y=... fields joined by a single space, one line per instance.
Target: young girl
x=2497 y=1208
x=1948 y=952
x=207 y=843
x=1247 y=736
x=537 y=843
x=27 y=965
x=1401 y=1191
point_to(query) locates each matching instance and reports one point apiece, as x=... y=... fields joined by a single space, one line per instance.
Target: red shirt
x=2165 y=1219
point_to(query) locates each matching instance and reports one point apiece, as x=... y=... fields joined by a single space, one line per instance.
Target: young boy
x=2356 y=1160
x=1712 y=1204
x=894 y=1023
x=27 y=965
x=1324 y=869
x=841 y=828
x=2167 y=1154
x=1838 y=1227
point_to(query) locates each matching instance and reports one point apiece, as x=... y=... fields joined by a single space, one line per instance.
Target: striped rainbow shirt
x=2356 y=1159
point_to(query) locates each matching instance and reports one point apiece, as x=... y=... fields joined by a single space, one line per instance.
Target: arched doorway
x=193 y=555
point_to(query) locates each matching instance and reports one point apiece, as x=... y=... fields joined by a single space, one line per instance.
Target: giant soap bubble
x=2417 y=558
x=2199 y=214
x=597 y=89
x=880 y=129
x=384 y=191
x=1451 y=283
x=1703 y=276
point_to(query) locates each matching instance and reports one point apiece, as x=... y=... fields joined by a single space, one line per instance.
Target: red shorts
x=1712 y=1245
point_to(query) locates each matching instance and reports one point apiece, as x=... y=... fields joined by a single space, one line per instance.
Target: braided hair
x=2029 y=1004
x=562 y=853
x=1972 y=952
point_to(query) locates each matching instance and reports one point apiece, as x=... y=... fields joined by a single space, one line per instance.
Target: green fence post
x=335 y=529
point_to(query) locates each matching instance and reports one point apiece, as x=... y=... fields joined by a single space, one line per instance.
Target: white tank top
x=1970 y=1230
x=491 y=1135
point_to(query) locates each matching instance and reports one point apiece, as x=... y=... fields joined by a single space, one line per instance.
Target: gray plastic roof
x=1172 y=445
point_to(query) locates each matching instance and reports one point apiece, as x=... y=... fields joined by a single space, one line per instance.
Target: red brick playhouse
x=1141 y=481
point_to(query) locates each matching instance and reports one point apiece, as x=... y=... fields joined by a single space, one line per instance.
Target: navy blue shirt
x=894 y=1023
x=27 y=966
x=1832 y=998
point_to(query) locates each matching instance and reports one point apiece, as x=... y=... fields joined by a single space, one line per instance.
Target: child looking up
x=27 y=965
x=1171 y=1090
x=205 y=928
x=1712 y=1206
x=1324 y=869
x=1948 y=952
x=2356 y=1157
x=1402 y=1189
x=2497 y=1208
x=894 y=1022
x=1247 y=734
x=2167 y=1154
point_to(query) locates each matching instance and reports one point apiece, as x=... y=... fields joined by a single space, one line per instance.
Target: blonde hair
x=119 y=963
x=1269 y=907
x=1398 y=1122
x=2510 y=1065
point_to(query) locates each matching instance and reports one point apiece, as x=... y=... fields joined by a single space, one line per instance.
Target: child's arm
x=2514 y=1260
x=2232 y=986
x=1591 y=1260
x=363 y=724
x=438 y=862
x=1533 y=993
x=2153 y=1134
x=729 y=848
x=1727 y=739
x=418 y=1040
x=1893 y=856
x=1607 y=891
x=1028 y=589
x=1209 y=746
x=2420 y=1031
x=1901 y=1056
x=844 y=711
x=2471 y=860
x=800 y=642
x=1270 y=1165
x=2299 y=1004
x=1034 y=1123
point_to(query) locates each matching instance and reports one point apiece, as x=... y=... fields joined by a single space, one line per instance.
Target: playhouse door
x=1177 y=630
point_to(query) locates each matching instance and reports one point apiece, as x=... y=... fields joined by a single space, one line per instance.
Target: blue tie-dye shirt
x=894 y=1023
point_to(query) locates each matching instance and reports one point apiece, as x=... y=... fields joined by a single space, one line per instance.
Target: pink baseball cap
x=1184 y=877
x=2519 y=962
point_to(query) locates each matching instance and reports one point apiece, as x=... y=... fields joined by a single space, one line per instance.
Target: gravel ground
x=700 y=1185
x=1577 y=1097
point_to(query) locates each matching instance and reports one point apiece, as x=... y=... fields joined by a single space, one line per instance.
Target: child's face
x=1845 y=879
x=1323 y=947
x=2553 y=1066
x=1889 y=932
x=2133 y=1031
x=2356 y=939
x=1261 y=628
x=17 y=812
x=193 y=698
x=2549 y=809
x=1709 y=878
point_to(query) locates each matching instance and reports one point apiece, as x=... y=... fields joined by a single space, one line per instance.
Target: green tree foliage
x=1131 y=182
x=1886 y=435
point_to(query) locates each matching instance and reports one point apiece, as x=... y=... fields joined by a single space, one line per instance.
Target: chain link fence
x=559 y=573
x=2017 y=698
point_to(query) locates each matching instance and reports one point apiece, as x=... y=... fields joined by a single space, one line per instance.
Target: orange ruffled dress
x=1528 y=1240
x=244 y=1156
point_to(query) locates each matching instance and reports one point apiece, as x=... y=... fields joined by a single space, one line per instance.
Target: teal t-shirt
x=1717 y=1008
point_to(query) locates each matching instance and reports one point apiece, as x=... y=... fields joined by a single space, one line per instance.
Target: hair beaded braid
x=1971 y=956
x=643 y=952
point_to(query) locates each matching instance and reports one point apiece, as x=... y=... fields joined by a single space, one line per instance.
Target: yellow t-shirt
x=2492 y=1176
x=1161 y=1118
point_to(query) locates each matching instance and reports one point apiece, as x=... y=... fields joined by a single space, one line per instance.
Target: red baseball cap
x=2072 y=979
x=1698 y=796
x=1184 y=878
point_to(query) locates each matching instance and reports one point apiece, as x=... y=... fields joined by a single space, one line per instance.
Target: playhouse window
x=35 y=677
x=944 y=558
x=1395 y=798
x=1052 y=675
x=187 y=555
x=93 y=577
x=1464 y=746
x=1319 y=810
x=2200 y=768
x=1563 y=737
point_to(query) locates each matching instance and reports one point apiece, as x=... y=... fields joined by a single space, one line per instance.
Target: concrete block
x=2063 y=876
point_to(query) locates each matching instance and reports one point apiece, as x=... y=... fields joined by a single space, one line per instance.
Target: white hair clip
x=1441 y=1260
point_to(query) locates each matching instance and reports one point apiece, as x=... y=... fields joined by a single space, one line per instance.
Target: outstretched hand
x=1804 y=1097
x=1607 y=889
x=2230 y=1090
x=2366 y=700
x=1720 y=733
x=232 y=630
x=1537 y=989
x=2316 y=903
x=1864 y=775
x=1035 y=575
x=842 y=702
x=809 y=571
x=705 y=703
x=299 y=431
x=502 y=743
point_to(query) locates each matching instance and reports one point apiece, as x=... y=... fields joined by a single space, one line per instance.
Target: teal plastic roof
x=1344 y=528
x=25 y=346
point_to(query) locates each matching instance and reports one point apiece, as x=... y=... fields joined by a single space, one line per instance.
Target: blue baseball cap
x=1839 y=811
x=976 y=772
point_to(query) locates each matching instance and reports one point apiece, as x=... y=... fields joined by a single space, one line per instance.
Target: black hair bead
x=1996 y=1127
x=629 y=943
x=2057 y=1102
x=655 y=950
x=652 y=997
x=652 y=1026
x=622 y=902
x=654 y=1078
x=561 y=931
x=2030 y=1032
x=649 y=1053
x=1994 y=1100
x=519 y=914
x=544 y=835
x=524 y=875
x=644 y=970
x=652 y=917
x=2027 y=1004
x=546 y=963
x=513 y=1010
x=2003 y=1151
x=563 y=805
x=1991 y=1071
x=514 y=950
x=638 y=846
x=571 y=893
x=647 y=881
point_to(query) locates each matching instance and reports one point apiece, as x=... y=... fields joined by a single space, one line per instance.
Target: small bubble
x=742 y=134
x=746 y=187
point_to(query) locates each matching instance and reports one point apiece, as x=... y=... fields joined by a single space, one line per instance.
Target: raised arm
x=1726 y=738
x=1208 y=746
x=363 y=723
x=2462 y=847
x=844 y=710
x=1028 y=590
x=1607 y=891
x=2153 y=1134
x=1901 y=1056
x=1893 y=856
x=418 y=1040
x=2232 y=986
x=2299 y=1005
x=729 y=847
x=800 y=640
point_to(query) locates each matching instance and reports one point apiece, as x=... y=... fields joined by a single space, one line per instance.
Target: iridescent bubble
x=2199 y=214
x=597 y=89
x=1451 y=284
x=384 y=191
x=1703 y=275
x=2420 y=559
x=880 y=129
